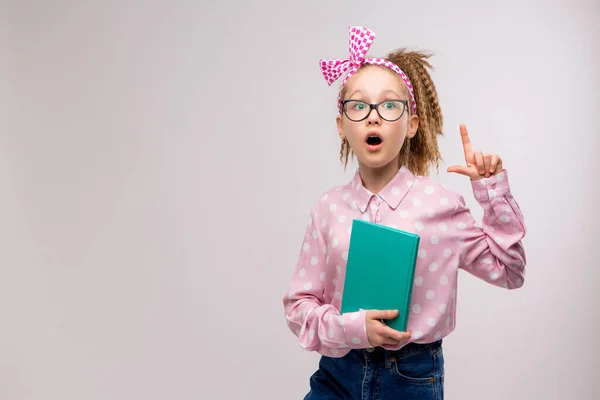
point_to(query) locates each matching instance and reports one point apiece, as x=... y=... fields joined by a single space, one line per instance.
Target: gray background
x=158 y=161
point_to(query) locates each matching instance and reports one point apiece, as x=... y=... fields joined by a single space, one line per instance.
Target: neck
x=375 y=179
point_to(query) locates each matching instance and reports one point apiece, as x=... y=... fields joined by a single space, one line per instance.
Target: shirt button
x=494 y=186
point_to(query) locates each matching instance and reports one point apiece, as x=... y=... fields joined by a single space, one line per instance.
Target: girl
x=389 y=118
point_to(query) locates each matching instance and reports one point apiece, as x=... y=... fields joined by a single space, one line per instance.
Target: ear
x=413 y=125
x=340 y=128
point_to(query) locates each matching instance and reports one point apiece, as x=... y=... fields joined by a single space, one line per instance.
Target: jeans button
x=370 y=350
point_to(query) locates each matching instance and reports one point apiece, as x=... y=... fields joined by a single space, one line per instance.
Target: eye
x=389 y=105
x=359 y=106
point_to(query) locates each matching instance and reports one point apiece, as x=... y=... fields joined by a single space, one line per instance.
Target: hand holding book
x=379 y=333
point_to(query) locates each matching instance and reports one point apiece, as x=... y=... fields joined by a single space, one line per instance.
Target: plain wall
x=158 y=161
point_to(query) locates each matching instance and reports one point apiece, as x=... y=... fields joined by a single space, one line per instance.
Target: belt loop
x=388 y=361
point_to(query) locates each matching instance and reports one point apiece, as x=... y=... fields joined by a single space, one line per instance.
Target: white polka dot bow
x=359 y=44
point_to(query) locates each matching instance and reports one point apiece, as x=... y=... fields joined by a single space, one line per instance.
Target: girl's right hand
x=379 y=333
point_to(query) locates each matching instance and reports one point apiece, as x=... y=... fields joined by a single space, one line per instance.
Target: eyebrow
x=384 y=92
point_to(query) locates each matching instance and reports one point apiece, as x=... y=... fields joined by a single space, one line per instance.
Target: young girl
x=389 y=118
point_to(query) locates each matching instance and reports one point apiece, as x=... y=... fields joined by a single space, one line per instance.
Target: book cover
x=380 y=271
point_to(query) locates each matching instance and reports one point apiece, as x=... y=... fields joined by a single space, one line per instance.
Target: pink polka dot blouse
x=451 y=240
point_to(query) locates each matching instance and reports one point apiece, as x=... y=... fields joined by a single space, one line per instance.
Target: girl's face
x=375 y=141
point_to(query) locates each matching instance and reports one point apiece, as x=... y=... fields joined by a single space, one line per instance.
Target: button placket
x=375 y=205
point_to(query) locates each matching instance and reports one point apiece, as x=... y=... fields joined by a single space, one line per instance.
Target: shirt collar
x=392 y=194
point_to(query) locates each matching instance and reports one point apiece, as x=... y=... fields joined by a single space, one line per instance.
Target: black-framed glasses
x=388 y=110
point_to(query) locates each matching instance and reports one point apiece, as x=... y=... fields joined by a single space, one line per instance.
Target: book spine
x=410 y=289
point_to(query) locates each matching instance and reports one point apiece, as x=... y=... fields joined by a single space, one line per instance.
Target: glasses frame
x=374 y=107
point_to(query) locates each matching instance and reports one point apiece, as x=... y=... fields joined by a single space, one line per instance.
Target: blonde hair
x=421 y=152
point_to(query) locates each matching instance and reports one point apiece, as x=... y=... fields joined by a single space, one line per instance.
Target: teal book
x=380 y=271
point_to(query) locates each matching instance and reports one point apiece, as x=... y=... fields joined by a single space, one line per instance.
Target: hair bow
x=359 y=44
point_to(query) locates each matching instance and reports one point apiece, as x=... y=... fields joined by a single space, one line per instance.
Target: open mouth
x=374 y=140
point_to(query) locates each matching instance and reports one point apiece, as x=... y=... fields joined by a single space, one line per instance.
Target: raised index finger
x=466 y=141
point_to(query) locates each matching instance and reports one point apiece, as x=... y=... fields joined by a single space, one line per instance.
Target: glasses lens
x=391 y=110
x=357 y=110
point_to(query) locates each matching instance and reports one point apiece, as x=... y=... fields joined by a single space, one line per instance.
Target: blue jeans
x=414 y=372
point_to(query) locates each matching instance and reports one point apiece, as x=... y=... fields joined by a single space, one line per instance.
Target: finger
x=499 y=168
x=459 y=169
x=487 y=160
x=466 y=142
x=494 y=163
x=390 y=341
x=396 y=335
x=383 y=340
x=479 y=162
x=382 y=314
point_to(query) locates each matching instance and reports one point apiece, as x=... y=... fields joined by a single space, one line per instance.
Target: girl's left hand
x=479 y=165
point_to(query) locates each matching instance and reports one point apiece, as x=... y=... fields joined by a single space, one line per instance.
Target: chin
x=377 y=161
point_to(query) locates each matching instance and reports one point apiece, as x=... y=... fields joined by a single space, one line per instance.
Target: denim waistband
x=379 y=353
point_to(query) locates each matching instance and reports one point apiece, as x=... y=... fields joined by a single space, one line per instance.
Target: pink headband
x=360 y=42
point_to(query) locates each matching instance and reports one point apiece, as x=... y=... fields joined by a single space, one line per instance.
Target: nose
x=373 y=117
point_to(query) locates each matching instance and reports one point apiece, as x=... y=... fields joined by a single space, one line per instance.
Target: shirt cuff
x=355 y=329
x=487 y=189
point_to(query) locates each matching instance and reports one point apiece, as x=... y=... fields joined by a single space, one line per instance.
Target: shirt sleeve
x=493 y=252
x=318 y=325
